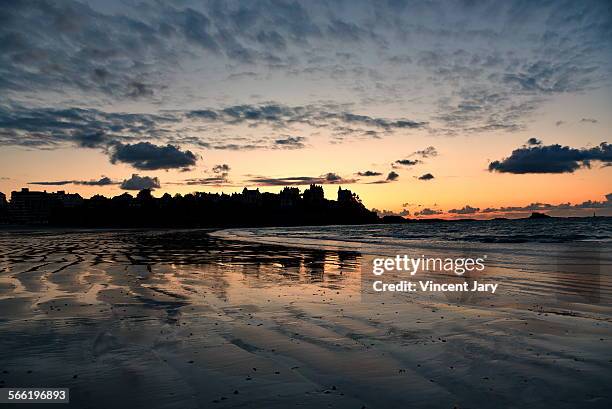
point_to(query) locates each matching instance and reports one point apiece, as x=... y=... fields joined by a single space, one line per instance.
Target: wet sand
x=133 y=319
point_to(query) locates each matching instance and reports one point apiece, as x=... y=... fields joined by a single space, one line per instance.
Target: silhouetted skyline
x=198 y=209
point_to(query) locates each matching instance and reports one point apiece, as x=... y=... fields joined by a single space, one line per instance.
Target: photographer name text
x=411 y=286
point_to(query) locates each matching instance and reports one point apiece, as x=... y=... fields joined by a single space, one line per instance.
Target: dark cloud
x=551 y=159
x=426 y=176
x=534 y=142
x=103 y=181
x=137 y=182
x=146 y=156
x=369 y=173
x=467 y=209
x=328 y=178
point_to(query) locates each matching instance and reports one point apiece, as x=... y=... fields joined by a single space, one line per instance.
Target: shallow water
x=183 y=319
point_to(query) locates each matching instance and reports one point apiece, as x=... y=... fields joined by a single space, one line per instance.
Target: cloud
x=103 y=181
x=392 y=176
x=428 y=152
x=534 y=142
x=223 y=168
x=220 y=180
x=291 y=142
x=146 y=156
x=428 y=212
x=137 y=182
x=328 y=178
x=408 y=162
x=382 y=213
x=467 y=209
x=52 y=183
x=205 y=114
x=545 y=77
x=589 y=120
x=539 y=207
x=485 y=108
x=210 y=128
x=332 y=177
x=426 y=176
x=484 y=76
x=551 y=159
x=87 y=128
x=379 y=122
x=369 y=173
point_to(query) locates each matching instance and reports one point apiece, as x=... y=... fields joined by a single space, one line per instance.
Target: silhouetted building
x=345 y=196
x=289 y=197
x=251 y=196
x=28 y=207
x=314 y=194
x=66 y=199
x=3 y=209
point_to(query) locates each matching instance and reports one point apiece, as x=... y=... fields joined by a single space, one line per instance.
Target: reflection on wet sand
x=183 y=320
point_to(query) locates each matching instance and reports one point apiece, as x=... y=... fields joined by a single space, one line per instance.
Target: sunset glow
x=337 y=93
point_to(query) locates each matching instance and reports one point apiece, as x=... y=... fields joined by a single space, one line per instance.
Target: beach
x=202 y=319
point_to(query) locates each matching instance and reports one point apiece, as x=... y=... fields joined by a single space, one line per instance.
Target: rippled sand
x=133 y=319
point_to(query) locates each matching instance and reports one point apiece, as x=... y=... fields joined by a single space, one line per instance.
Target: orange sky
x=310 y=91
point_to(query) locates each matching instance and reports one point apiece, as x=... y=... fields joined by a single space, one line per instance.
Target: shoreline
x=68 y=228
x=195 y=319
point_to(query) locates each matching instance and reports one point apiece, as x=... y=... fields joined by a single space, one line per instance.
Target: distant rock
x=536 y=215
x=393 y=219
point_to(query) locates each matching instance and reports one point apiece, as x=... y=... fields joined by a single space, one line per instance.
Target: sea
x=524 y=244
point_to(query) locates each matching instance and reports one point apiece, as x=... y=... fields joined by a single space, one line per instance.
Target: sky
x=423 y=108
